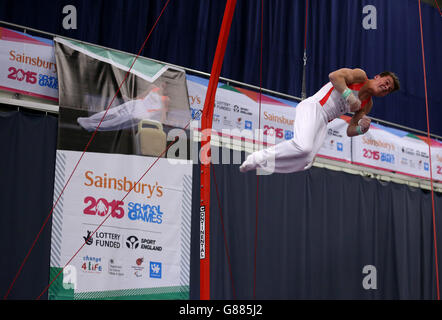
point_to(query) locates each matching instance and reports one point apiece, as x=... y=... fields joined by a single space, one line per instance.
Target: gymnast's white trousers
x=297 y=154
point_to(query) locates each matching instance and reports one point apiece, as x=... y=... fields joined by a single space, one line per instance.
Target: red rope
x=206 y=128
x=429 y=150
x=437 y=5
x=257 y=177
x=81 y=157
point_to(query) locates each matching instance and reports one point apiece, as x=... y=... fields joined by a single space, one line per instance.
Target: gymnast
x=349 y=90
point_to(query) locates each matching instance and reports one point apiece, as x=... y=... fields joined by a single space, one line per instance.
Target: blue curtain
x=337 y=39
x=27 y=165
x=187 y=33
x=314 y=240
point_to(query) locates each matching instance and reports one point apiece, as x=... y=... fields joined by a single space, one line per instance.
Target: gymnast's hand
x=354 y=102
x=364 y=123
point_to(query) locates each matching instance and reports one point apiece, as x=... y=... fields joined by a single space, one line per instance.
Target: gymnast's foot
x=248 y=165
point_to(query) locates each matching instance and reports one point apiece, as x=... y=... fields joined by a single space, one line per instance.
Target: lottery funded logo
x=102 y=239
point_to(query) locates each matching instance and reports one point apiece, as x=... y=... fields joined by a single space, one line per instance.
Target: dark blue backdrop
x=187 y=34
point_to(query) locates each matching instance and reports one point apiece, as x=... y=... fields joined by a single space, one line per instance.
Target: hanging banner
x=27 y=65
x=236 y=113
x=436 y=160
x=337 y=145
x=397 y=151
x=140 y=250
x=129 y=238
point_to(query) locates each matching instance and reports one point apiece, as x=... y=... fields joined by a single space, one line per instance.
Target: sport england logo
x=155 y=269
x=132 y=242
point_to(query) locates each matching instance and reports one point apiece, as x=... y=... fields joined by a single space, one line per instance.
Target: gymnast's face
x=382 y=85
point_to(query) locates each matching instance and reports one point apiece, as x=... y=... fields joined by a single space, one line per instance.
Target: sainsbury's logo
x=378 y=143
x=278 y=118
x=194 y=100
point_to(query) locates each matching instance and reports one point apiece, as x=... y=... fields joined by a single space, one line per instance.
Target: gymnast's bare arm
x=342 y=78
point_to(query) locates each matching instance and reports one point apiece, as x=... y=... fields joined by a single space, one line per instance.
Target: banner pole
x=206 y=128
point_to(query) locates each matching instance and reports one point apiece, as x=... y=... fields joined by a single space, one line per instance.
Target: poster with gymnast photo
x=153 y=96
x=118 y=232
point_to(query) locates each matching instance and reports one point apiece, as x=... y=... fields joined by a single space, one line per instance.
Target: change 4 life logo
x=92 y=264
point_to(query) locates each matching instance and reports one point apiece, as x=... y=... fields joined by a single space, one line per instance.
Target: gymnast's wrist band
x=346 y=93
x=359 y=130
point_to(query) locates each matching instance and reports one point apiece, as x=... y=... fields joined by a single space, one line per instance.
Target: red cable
x=224 y=233
x=429 y=149
x=81 y=157
x=257 y=177
x=437 y=5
